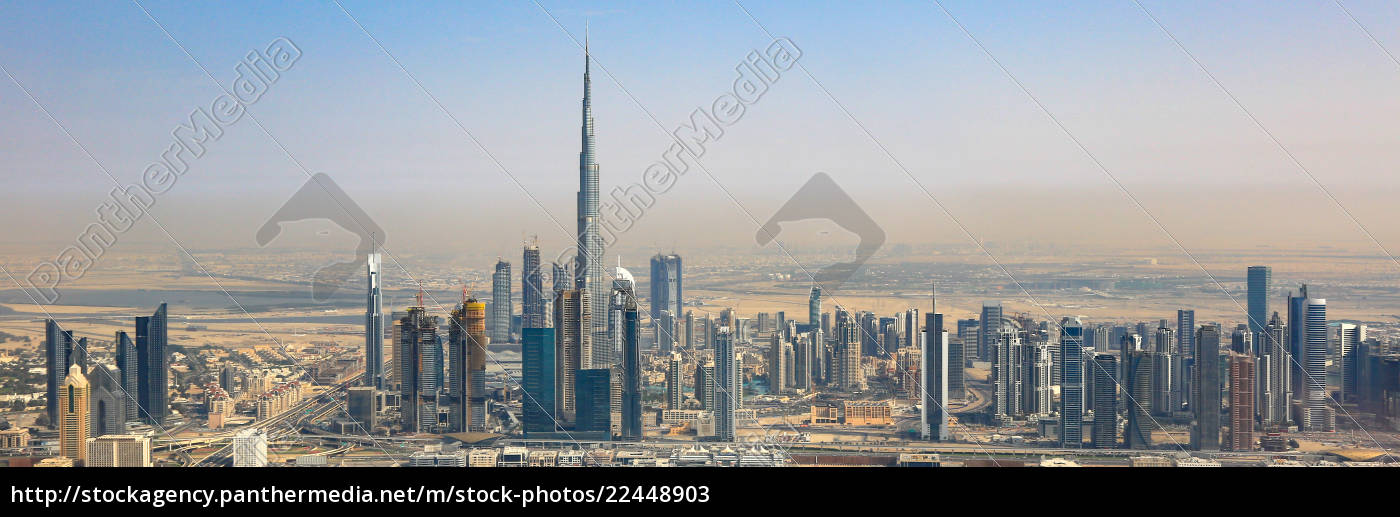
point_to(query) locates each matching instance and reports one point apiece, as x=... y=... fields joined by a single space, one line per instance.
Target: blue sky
x=902 y=69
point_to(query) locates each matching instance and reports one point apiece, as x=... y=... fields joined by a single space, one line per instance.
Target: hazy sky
x=910 y=77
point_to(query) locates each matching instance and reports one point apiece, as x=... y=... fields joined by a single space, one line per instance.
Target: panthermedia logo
x=321 y=198
x=821 y=198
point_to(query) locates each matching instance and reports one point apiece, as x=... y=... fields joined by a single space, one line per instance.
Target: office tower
x=911 y=333
x=1105 y=402
x=1185 y=332
x=250 y=448
x=1259 y=281
x=362 y=405
x=594 y=400
x=1348 y=343
x=675 y=391
x=1242 y=384
x=58 y=355
x=1317 y=414
x=814 y=306
x=532 y=300
x=74 y=408
x=1071 y=383
x=537 y=366
x=374 y=325
x=605 y=354
x=1166 y=390
x=1037 y=375
x=1275 y=371
x=826 y=325
x=572 y=346
x=416 y=348
x=1296 y=341
x=501 y=304
x=728 y=387
x=705 y=386
x=802 y=351
x=631 y=370
x=108 y=410
x=848 y=352
x=1205 y=390
x=588 y=266
x=934 y=379
x=666 y=285
x=777 y=363
x=990 y=328
x=689 y=330
x=957 y=360
x=119 y=450
x=126 y=363
x=466 y=370
x=1241 y=341
x=153 y=366
x=560 y=279
x=1137 y=387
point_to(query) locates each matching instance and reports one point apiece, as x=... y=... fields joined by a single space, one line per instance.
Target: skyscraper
x=594 y=399
x=1348 y=344
x=606 y=353
x=1071 y=383
x=1186 y=332
x=728 y=389
x=1137 y=386
x=588 y=266
x=1276 y=371
x=374 y=325
x=1105 y=401
x=675 y=391
x=572 y=346
x=814 y=306
x=74 y=407
x=501 y=305
x=153 y=366
x=666 y=285
x=631 y=370
x=127 y=364
x=848 y=372
x=1242 y=384
x=1259 y=281
x=1317 y=414
x=532 y=300
x=934 y=382
x=466 y=371
x=990 y=328
x=415 y=352
x=58 y=355
x=1205 y=390
x=537 y=366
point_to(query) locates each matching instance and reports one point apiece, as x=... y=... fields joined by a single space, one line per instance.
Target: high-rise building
x=1205 y=390
x=1349 y=338
x=127 y=364
x=666 y=285
x=572 y=346
x=1105 y=402
x=588 y=266
x=777 y=363
x=1186 y=332
x=415 y=351
x=1242 y=383
x=1137 y=387
x=631 y=369
x=74 y=411
x=501 y=304
x=153 y=366
x=1259 y=281
x=537 y=366
x=1317 y=414
x=363 y=406
x=990 y=328
x=728 y=387
x=675 y=390
x=108 y=412
x=848 y=374
x=1275 y=371
x=250 y=448
x=466 y=370
x=814 y=306
x=119 y=450
x=374 y=325
x=934 y=379
x=594 y=390
x=532 y=297
x=606 y=353
x=1071 y=383
x=705 y=386
x=58 y=354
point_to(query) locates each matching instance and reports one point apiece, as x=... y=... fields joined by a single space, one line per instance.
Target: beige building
x=15 y=438
x=119 y=450
x=74 y=408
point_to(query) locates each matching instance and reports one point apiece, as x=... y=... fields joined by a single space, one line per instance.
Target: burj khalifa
x=588 y=267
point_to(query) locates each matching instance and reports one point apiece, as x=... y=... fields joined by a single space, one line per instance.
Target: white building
x=119 y=450
x=250 y=448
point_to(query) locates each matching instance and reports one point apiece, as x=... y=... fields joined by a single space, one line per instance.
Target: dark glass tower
x=1071 y=383
x=58 y=356
x=127 y=364
x=1260 y=280
x=666 y=285
x=532 y=290
x=1105 y=401
x=537 y=368
x=594 y=389
x=1205 y=401
x=631 y=371
x=153 y=366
